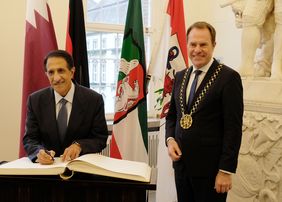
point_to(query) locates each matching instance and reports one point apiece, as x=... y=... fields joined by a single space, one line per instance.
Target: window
x=103 y=71
x=95 y=72
x=104 y=43
x=105 y=20
x=95 y=44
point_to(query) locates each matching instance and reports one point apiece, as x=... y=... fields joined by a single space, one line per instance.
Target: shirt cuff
x=224 y=171
x=168 y=139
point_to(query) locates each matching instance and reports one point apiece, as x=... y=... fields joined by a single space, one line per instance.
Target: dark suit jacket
x=213 y=140
x=87 y=124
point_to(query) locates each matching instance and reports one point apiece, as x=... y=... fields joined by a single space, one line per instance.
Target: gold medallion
x=186 y=121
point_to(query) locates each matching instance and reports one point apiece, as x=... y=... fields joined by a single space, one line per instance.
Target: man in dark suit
x=204 y=137
x=86 y=128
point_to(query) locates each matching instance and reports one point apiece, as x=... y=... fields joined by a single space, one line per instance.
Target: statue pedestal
x=259 y=172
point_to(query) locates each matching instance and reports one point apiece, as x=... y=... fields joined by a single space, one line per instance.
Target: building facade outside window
x=105 y=21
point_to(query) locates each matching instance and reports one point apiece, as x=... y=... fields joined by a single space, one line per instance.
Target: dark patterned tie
x=62 y=119
x=193 y=88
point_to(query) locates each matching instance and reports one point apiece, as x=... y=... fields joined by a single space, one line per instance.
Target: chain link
x=201 y=95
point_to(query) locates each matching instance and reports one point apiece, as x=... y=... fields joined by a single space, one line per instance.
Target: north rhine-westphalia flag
x=76 y=41
x=172 y=44
x=130 y=134
x=39 y=40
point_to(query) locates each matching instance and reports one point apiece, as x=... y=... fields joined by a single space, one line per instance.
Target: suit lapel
x=186 y=85
x=76 y=116
x=205 y=81
x=49 y=111
x=207 y=77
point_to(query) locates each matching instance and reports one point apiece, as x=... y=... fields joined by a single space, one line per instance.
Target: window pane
x=104 y=51
x=103 y=57
x=113 y=11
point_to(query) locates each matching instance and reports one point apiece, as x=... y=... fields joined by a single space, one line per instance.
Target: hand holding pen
x=45 y=157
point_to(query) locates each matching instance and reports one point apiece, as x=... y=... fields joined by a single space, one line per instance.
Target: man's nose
x=56 y=76
x=198 y=48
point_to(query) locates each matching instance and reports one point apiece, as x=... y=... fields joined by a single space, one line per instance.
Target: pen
x=47 y=152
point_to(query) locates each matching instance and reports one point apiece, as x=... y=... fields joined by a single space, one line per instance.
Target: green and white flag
x=130 y=135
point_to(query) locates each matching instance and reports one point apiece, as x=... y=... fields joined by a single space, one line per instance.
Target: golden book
x=89 y=163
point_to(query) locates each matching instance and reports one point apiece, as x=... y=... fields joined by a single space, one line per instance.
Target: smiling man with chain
x=204 y=122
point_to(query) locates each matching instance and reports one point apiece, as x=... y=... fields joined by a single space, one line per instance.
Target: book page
x=102 y=165
x=24 y=166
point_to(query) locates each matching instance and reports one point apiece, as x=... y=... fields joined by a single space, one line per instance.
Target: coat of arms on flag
x=128 y=87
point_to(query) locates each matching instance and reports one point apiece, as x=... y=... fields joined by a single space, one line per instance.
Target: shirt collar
x=204 y=68
x=68 y=97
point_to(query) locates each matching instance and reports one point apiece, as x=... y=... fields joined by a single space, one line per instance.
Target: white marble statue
x=261 y=23
x=259 y=174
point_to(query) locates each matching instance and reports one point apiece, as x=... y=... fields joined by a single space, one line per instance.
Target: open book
x=88 y=163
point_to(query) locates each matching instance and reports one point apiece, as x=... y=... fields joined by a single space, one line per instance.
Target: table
x=80 y=188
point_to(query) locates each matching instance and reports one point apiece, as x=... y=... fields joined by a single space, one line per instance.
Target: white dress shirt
x=204 y=70
x=68 y=97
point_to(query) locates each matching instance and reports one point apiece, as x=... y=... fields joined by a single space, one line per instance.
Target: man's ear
x=72 y=70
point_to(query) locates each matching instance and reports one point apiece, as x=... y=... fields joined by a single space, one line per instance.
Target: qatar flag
x=39 y=40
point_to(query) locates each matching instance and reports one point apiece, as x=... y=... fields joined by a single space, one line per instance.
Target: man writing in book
x=64 y=119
